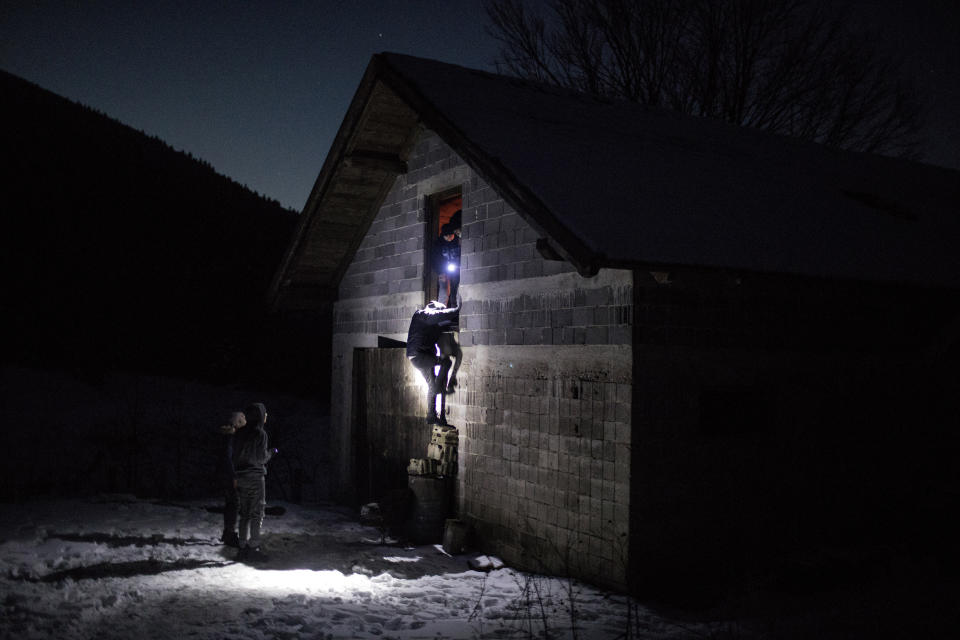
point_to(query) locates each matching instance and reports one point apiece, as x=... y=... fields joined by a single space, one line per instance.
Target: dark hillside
x=121 y=252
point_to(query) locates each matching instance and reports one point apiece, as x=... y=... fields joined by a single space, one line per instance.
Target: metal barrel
x=431 y=499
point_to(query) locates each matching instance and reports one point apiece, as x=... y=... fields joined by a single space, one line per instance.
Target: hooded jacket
x=249 y=450
x=426 y=325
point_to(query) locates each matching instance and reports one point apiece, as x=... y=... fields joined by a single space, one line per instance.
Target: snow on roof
x=640 y=186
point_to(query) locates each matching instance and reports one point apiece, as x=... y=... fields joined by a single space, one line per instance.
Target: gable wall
x=543 y=406
x=382 y=286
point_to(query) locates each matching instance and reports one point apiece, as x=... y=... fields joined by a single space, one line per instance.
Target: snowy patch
x=120 y=567
x=485 y=563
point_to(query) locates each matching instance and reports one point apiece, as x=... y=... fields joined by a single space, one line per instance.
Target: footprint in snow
x=374 y=619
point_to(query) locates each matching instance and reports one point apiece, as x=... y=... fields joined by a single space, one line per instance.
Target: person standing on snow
x=250 y=456
x=229 y=481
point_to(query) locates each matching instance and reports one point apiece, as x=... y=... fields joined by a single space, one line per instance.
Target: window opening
x=442 y=269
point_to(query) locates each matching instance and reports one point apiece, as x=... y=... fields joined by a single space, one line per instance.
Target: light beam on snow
x=399 y=559
x=307 y=581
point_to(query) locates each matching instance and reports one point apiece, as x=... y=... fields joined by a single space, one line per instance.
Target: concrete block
x=532 y=336
x=622 y=493
x=554 y=267
x=596 y=529
x=609 y=472
x=584 y=482
x=596 y=335
x=620 y=334
x=596 y=449
x=609 y=451
x=623 y=413
x=596 y=494
x=582 y=316
x=601 y=315
x=609 y=431
x=532 y=268
x=608 y=513
x=583 y=504
x=583 y=525
x=561 y=317
x=596 y=469
x=623 y=453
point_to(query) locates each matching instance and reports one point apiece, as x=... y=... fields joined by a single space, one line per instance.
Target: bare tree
x=792 y=67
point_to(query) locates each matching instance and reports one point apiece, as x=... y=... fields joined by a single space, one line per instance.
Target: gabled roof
x=615 y=184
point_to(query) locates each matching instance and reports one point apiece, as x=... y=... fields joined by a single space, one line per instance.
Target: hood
x=256 y=415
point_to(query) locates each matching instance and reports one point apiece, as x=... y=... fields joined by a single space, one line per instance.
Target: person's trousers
x=453 y=283
x=425 y=363
x=436 y=384
x=231 y=504
x=251 y=492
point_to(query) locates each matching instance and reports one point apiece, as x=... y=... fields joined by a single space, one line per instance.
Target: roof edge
x=528 y=206
x=334 y=157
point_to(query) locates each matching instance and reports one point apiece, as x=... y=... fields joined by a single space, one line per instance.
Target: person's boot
x=230 y=539
x=243 y=554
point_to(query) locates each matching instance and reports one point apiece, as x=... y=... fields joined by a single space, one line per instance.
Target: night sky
x=258 y=89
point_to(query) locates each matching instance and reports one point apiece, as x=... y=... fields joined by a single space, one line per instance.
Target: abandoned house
x=689 y=348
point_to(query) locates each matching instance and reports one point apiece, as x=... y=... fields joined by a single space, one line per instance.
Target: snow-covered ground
x=116 y=566
x=120 y=567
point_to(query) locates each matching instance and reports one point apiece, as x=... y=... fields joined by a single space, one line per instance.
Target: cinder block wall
x=384 y=284
x=545 y=456
x=545 y=401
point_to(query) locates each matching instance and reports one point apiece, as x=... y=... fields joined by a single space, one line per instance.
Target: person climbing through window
x=426 y=328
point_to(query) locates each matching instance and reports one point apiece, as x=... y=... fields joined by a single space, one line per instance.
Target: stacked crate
x=443 y=449
x=441 y=457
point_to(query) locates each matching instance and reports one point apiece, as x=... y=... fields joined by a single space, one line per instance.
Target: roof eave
x=340 y=155
x=514 y=192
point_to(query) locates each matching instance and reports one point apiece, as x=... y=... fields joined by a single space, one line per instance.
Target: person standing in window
x=446 y=258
